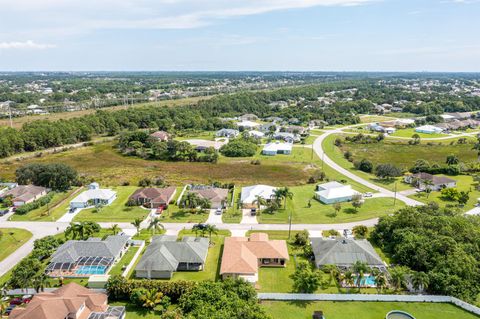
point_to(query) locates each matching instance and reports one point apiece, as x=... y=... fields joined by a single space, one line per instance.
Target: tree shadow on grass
x=350 y=211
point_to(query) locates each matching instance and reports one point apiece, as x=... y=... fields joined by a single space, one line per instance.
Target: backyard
x=117 y=211
x=362 y=310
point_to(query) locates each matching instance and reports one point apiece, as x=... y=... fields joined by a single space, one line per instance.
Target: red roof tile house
x=154 y=197
x=243 y=256
x=71 y=301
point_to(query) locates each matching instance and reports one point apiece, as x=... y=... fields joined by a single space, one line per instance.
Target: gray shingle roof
x=165 y=253
x=72 y=250
x=344 y=252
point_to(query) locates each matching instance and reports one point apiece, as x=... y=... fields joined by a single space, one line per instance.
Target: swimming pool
x=91 y=270
x=366 y=281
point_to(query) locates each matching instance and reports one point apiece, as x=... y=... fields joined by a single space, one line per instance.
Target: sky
x=237 y=35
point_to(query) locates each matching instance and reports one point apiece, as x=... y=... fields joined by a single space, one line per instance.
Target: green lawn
x=134 y=312
x=11 y=239
x=201 y=135
x=116 y=211
x=408 y=132
x=174 y=215
x=464 y=183
x=126 y=259
x=362 y=310
x=57 y=207
x=233 y=214
x=320 y=213
x=375 y=118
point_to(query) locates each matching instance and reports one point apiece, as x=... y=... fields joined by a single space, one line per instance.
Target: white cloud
x=29 y=44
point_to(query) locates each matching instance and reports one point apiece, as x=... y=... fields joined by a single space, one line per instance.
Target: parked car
x=253 y=212
x=218 y=211
x=9 y=309
x=368 y=194
x=3 y=212
x=16 y=301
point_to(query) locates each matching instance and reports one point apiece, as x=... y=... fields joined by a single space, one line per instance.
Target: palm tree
x=4 y=304
x=155 y=225
x=278 y=194
x=71 y=231
x=259 y=201
x=379 y=278
x=398 y=277
x=40 y=282
x=151 y=298
x=287 y=194
x=428 y=186
x=137 y=223
x=420 y=280
x=360 y=268
x=211 y=229
x=349 y=280
x=115 y=229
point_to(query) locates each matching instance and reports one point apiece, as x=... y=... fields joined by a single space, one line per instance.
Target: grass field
x=116 y=211
x=57 y=207
x=324 y=214
x=362 y=310
x=126 y=259
x=375 y=118
x=11 y=239
x=19 y=121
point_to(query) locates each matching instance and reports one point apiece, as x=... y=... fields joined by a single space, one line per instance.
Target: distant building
x=227 y=132
x=202 y=145
x=247 y=125
x=161 y=136
x=428 y=181
x=248 y=117
x=277 y=148
x=428 y=129
x=24 y=194
x=94 y=196
x=154 y=197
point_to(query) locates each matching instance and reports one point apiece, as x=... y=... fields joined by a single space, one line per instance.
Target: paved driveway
x=247 y=218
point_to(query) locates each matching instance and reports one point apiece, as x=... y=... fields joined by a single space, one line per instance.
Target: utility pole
x=395 y=194
x=289 y=224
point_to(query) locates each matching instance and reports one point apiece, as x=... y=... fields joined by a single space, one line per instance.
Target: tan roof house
x=71 y=301
x=243 y=256
x=24 y=194
x=217 y=196
x=161 y=136
x=152 y=197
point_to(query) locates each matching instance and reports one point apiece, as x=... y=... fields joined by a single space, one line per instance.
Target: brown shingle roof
x=436 y=180
x=240 y=255
x=212 y=194
x=25 y=192
x=156 y=195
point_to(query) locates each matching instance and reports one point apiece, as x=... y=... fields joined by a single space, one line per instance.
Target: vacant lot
x=116 y=211
x=11 y=239
x=362 y=310
x=408 y=132
x=320 y=213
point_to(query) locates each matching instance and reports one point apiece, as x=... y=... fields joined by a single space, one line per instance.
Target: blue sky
x=313 y=35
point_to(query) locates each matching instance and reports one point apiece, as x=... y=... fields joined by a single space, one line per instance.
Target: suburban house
x=243 y=256
x=334 y=192
x=296 y=129
x=152 y=197
x=218 y=197
x=344 y=252
x=247 y=125
x=82 y=258
x=93 y=196
x=5 y=187
x=165 y=255
x=428 y=129
x=161 y=136
x=381 y=129
x=227 y=132
x=71 y=301
x=287 y=137
x=202 y=145
x=250 y=193
x=277 y=148
x=428 y=181
x=268 y=127
x=256 y=134
x=248 y=117
x=24 y=194
x=458 y=125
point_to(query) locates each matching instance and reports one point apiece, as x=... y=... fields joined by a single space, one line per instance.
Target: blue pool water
x=368 y=281
x=91 y=270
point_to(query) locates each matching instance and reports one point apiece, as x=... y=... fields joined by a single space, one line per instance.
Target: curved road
x=317 y=147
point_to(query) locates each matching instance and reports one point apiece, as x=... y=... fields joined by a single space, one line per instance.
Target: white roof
x=337 y=192
x=256 y=133
x=429 y=128
x=278 y=147
x=447 y=116
x=217 y=144
x=247 y=124
x=250 y=193
x=99 y=193
x=405 y=121
x=330 y=185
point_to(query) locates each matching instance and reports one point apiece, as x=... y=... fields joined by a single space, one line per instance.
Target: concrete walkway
x=247 y=217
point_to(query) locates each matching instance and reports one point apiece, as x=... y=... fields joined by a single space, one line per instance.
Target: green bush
x=239 y=148
x=22 y=210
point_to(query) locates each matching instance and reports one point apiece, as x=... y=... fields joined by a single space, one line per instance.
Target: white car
x=368 y=194
x=218 y=211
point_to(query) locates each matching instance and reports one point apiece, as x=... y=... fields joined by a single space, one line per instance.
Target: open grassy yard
x=464 y=183
x=362 y=310
x=233 y=214
x=408 y=132
x=11 y=239
x=126 y=259
x=116 y=211
x=324 y=214
x=57 y=207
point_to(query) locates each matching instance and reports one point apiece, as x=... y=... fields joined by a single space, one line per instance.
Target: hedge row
x=22 y=210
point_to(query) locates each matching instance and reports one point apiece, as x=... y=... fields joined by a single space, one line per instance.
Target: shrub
x=22 y=210
x=239 y=148
x=364 y=165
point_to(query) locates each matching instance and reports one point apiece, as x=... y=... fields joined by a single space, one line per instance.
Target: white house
x=248 y=125
x=256 y=134
x=428 y=129
x=227 y=132
x=334 y=192
x=277 y=148
x=250 y=193
x=93 y=196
